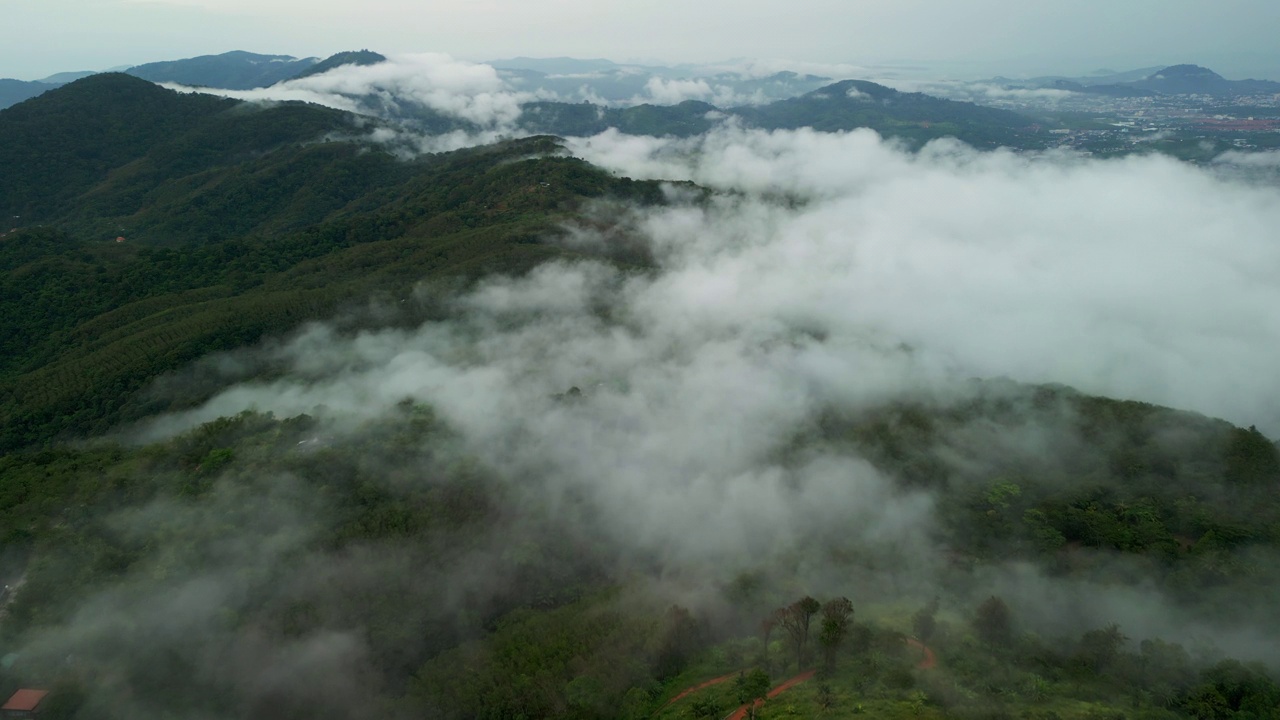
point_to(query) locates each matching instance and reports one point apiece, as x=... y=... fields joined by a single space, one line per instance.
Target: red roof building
x=23 y=704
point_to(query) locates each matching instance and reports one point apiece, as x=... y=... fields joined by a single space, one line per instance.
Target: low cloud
x=661 y=413
x=674 y=92
x=471 y=92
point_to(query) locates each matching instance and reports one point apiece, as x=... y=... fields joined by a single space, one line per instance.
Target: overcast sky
x=1013 y=37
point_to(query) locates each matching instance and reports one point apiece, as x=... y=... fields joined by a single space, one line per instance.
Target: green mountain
x=224 y=207
x=359 y=57
x=235 y=70
x=846 y=105
x=912 y=116
x=566 y=119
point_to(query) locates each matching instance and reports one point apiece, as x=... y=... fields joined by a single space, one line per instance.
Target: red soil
x=741 y=712
x=930 y=661
x=700 y=686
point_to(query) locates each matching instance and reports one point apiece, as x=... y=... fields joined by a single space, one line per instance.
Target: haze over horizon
x=983 y=38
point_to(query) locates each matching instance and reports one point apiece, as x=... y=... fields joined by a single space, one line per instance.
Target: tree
x=924 y=621
x=706 y=708
x=681 y=639
x=795 y=620
x=806 y=606
x=752 y=688
x=1251 y=459
x=993 y=622
x=1098 y=649
x=835 y=627
x=767 y=626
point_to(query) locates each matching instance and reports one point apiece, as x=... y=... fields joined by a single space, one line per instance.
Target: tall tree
x=993 y=622
x=924 y=622
x=836 y=615
x=752 y=688
x=807 y=606
x=767 y=626
x=795 y=619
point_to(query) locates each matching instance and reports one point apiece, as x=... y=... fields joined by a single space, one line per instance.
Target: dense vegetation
x=235 y=228
x=380 y=540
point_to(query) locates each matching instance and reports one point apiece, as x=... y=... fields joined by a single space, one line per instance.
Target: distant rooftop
x=25 y=700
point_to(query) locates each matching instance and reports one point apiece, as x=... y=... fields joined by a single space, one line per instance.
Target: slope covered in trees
x=237 y=221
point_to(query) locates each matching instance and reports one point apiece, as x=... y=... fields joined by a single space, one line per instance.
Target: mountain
x=236 y=70
x=1098 y=77
x=917 y=117
x=360 y=57
x=62 y=143
x=602 y=80
x=1196 y=80
x=13 y=91
x=1149 y=82
x=218 y=202
x=63 y=78
x=568 y=119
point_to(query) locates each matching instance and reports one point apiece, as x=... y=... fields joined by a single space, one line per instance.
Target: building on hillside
x=23 y=704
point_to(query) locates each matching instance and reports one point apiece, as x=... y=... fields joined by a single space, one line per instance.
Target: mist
x=657 y=409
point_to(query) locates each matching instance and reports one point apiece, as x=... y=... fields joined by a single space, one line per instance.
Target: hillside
x=62 y=143
x=360 y=57
x=244 y=195
x=235 y=70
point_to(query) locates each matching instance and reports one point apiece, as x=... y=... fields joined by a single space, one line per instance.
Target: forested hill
x=914 y=116
x=59 y=145
x=235 y=70
x=848 y=105
x=269 y=222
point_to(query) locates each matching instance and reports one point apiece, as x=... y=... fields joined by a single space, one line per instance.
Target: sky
x=1011 y=37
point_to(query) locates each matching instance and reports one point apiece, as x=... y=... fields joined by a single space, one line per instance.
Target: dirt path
x=701 y=686
x=741 y=712
x=930 y=661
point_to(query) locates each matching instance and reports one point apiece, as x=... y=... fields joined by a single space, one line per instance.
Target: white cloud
x=672 y=92
x=468 y=91
x=1142 y=278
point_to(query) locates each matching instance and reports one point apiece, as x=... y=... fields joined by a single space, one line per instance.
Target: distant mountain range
x=841 y=106
x=604 y=81
x=13 y=92
x=600 y=81
x=1151 y=82
x=235 y=70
